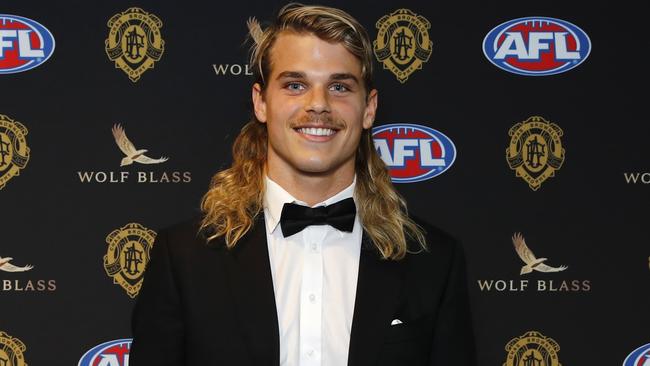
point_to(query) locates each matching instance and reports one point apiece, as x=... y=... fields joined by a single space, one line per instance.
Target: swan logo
x=24 y=44
x=536 y=46
x=112 y=353
x=413 y=153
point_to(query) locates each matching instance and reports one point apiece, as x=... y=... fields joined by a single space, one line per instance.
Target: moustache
x=322 y=120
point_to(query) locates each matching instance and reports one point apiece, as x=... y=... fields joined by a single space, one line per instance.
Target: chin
x=313 y=168
x=315 y=165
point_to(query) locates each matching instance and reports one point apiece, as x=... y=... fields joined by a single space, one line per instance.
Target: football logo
x=112 y=353
x=536 y=46
x=638 y=357
x=24 y=44
x=413 y=153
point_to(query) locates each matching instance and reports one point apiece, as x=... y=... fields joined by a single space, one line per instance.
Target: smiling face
x=315 y=107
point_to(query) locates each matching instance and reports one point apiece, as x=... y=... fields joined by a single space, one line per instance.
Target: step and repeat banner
x=520 y=128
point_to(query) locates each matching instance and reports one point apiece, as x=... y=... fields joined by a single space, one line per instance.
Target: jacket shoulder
x=436 y=238
x=441 y=250
x=186 y=235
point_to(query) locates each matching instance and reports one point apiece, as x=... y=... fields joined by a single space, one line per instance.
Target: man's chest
x=315 y=281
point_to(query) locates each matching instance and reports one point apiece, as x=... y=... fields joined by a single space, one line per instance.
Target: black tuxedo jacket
x=207 y=305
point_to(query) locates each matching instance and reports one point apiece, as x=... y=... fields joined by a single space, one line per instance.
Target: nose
x=318 y=100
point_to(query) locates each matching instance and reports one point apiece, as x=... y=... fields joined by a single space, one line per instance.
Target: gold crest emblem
x=402 y=43
x=134 y=42
x=14 y=152
x=532 y=349
x=128 y=255
x=11 y=351
x=535 y=151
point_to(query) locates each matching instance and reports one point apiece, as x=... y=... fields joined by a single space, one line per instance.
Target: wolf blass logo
x=533 y=264
x=140 y=177
x=232 y=69
x=6 y=265
x=637 y=177
x=133 y=155
x=29 y=285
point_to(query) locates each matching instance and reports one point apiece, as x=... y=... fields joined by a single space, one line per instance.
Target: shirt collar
x=275 y=197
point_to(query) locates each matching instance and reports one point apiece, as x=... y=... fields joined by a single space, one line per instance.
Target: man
x=305 y=254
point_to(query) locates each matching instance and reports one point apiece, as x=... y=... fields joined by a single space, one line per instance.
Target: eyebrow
x=344 y=76
x=291 y=74
x=301 y=75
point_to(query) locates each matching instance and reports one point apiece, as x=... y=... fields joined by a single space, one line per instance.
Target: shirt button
x=312 y=298
x=314 y=247
x=310 y=352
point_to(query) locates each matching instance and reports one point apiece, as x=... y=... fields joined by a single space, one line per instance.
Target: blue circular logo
x=413 y=153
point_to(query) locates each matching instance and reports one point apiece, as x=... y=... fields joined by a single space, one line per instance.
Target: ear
x=371 y=109
x=259 y=105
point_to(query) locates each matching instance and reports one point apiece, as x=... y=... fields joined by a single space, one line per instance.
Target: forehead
x=305 y=52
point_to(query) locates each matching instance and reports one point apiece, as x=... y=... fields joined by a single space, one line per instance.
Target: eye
x=294 y=87
x=339 y=88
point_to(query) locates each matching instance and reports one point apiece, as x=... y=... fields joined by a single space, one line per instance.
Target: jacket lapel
x=251 y=284
x=378 y=288
x=248 y=272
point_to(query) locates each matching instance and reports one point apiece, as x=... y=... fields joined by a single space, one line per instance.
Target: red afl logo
x=536 y=46
x=24 y=44
x=412 y=152
x=112 y=353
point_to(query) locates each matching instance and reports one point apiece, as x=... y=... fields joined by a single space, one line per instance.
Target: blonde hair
x=236 y=194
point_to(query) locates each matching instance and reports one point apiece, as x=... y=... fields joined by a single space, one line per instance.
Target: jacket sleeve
x=156 y=323
x=453 y=338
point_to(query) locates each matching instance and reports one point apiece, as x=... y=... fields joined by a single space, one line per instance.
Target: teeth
x=317 y=131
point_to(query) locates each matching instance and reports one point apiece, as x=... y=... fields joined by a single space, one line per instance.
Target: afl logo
x=24 y=44
x=639 y=357
x=413 y=153
x=112 y=353
x=536 y=46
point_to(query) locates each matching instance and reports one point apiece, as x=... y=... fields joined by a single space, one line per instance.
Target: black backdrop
x=587 y=217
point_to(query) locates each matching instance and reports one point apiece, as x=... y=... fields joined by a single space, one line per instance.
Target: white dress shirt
x=315 y=280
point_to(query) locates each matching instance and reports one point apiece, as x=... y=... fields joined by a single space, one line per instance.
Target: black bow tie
x=339 y=215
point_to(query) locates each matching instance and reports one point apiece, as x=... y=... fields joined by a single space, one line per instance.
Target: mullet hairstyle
x=236 y=194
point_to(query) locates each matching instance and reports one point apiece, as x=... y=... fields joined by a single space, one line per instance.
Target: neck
x=312 y=188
